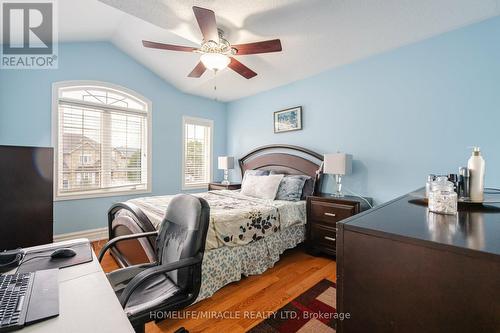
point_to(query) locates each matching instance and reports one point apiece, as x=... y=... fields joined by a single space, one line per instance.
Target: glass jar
x=442 y=197
x=430 y=179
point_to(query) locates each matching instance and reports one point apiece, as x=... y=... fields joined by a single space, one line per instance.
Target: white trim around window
x=120 y=102
x=208 y=125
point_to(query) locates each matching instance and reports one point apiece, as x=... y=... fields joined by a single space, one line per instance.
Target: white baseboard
x=91 y=234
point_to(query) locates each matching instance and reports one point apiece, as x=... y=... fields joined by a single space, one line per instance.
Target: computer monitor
x=26 y=196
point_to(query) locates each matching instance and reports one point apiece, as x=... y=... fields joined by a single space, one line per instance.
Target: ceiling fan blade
x=161 y=46
x=267 y=46
x=198 y=70
x=241 y=69
x=207 y=23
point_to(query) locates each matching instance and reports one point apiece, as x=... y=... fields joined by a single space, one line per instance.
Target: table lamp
x=226 y=163
x=338 y=164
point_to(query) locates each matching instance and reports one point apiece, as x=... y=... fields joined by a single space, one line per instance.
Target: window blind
x=197 y=152
x=101 y=148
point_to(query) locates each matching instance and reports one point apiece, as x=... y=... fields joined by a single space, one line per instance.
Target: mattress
x=235 y=219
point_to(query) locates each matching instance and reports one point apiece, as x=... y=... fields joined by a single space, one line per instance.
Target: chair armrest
x=122 y=238
x=153 y=271
x=120 y=276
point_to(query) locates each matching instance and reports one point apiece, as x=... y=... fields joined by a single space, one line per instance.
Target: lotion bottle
x=476 y=167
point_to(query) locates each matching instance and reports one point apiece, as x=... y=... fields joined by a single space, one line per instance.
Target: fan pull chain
x=215 y=85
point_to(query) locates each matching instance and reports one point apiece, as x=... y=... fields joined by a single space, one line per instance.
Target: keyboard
x=15 y=290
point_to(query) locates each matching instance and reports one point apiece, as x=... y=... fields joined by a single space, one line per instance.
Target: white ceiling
x=316 y=34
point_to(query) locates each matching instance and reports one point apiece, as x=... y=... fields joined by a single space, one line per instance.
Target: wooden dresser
x=401 y=268
x=323 y=213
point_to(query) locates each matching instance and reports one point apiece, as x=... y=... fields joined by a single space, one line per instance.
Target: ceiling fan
x=216 y=52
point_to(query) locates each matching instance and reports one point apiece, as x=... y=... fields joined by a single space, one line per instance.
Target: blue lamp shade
x=226 y=162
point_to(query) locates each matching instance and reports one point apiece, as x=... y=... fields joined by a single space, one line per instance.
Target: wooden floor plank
x=251 y=297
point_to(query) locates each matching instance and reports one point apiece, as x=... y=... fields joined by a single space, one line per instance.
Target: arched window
x=102 y=140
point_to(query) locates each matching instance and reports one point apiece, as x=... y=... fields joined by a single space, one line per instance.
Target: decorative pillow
x=261 y=187
x=308 y=188
x=254 y=173
x=291 y=187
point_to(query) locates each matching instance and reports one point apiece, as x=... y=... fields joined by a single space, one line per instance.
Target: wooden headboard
x=286 y=159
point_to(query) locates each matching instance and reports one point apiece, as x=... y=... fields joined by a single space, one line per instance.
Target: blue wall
x=25 y=119
x=402 y=114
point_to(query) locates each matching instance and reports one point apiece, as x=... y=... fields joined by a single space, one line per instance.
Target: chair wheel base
x=182 y=330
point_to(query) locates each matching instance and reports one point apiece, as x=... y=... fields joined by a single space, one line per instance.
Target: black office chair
x=173 y=281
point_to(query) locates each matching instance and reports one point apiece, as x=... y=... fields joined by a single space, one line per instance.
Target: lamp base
x=226 y=178
x=338 y=187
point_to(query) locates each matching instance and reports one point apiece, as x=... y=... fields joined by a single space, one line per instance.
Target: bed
x=246 y=235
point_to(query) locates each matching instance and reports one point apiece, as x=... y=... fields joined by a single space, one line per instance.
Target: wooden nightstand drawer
x=219 y=186
x=330 y=212
x=323 y=213
x=324 y=237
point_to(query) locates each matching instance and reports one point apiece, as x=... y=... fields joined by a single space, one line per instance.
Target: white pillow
x=263 y=187
x=254 y=173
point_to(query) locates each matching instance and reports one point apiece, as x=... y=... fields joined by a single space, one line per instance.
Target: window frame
x=106 y=192
x=204 y=122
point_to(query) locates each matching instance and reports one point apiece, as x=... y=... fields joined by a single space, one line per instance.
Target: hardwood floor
x=244 y=303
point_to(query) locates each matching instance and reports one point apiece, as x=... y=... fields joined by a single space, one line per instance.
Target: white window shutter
x=197 y=146
x=102 y=142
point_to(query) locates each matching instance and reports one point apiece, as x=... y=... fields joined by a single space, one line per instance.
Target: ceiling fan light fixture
x=215 y=61
x=216 y=51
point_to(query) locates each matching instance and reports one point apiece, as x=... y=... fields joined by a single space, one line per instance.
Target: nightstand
x=219 y=186
x=323 y=213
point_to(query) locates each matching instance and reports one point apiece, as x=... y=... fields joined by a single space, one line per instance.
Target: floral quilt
x=235 y=219
x=228 y=264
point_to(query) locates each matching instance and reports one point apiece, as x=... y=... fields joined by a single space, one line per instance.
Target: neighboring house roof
x=127 y=151
x=73 y=141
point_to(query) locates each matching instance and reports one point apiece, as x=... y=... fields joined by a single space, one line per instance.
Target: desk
x=86 y=301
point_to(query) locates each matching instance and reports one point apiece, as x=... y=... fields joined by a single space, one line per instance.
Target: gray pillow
x=254 y=173
x=291 y=187
x=308 y=188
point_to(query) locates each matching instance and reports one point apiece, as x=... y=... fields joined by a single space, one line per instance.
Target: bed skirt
x=227 y=264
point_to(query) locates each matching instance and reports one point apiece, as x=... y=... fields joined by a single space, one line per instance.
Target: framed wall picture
x=288 y=120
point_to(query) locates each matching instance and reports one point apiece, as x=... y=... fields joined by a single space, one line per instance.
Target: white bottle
x=476 y=167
